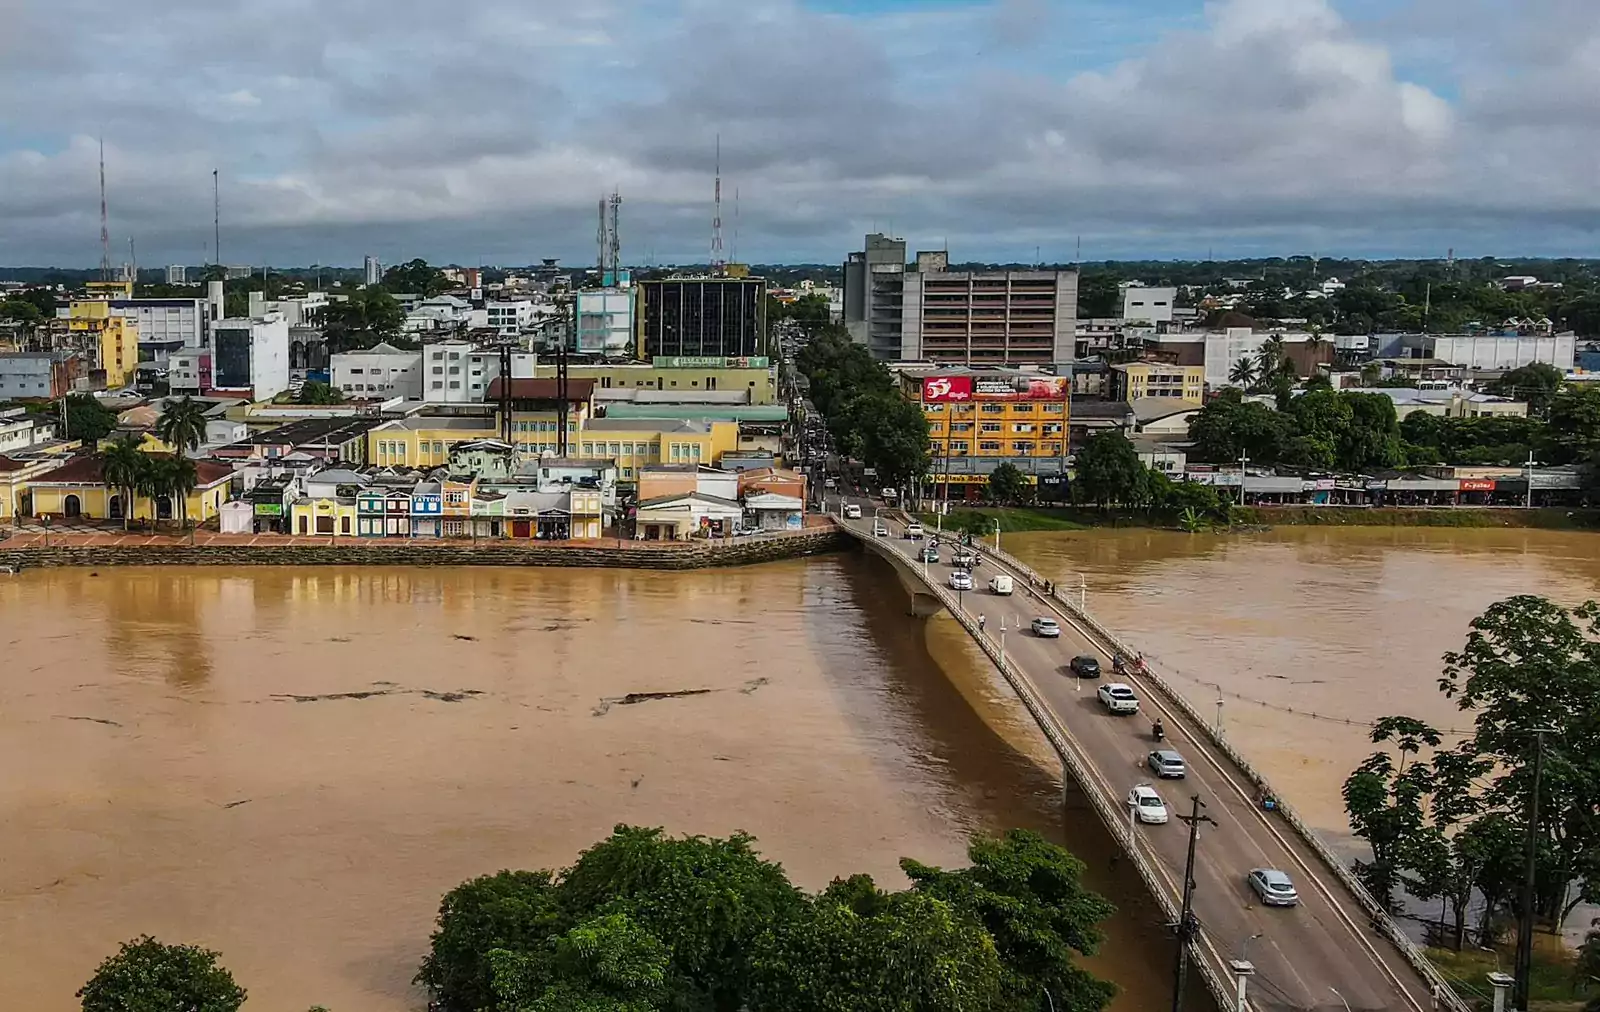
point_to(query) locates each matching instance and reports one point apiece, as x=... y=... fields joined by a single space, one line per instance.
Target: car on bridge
x=930 y=554
x=1084 y=666
x=914 y=531
x=1147 y=805
x=961 y=580
x=852 y=512
x=879 y=530
x=1272 y=887
x=1000 y=584
x=1048 y=628
x=1166 y=764
x=966 y=558
x=1118 y=698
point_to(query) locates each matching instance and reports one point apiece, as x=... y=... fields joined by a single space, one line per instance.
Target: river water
x=1306 y=634
x=291 y=766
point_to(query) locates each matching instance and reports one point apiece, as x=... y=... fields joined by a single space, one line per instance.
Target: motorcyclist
x=1158 y=731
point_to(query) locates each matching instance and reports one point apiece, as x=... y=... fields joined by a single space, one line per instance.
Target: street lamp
x=997 y=536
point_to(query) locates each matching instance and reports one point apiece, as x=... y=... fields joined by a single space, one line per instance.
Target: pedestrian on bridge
x=982 y=620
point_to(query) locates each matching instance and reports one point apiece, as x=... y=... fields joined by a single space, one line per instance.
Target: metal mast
x=105 y=232
x=718 y=262
x=614 y=250
x=216 y=219
x=600 y=240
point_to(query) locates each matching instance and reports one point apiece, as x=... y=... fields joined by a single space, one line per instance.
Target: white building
x=250 y=357
x=177 y=274
x=509 y=318
x=1225 y=348
x=371 y=270
x=377 y=373
x=1147 y=305
x=304 y=311
x=457 y=372
x=604 y=322
x=1493 y=351
x=188 y=371
x=1452 y=402
x=165 y=325
x=21 y=431
x=440 y=313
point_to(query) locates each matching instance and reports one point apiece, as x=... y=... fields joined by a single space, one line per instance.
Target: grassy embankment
x=1049 y=518
x=1553 y=987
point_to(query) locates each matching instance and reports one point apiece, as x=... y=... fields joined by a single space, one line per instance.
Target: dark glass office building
x=710 y=317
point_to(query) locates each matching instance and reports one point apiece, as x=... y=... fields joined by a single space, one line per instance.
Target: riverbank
x=1021 y=519
x=112 y=549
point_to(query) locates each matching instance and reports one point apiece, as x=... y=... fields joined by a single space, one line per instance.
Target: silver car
x=1166 y=763
x=1272 y=887
x=1046 y=627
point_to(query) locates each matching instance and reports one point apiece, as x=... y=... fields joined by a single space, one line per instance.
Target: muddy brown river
x=292 y=765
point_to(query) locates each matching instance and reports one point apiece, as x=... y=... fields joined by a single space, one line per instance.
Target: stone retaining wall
x=741 y=552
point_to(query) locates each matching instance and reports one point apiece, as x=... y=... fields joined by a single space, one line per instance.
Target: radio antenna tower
x=602 y=245
x=615 y=249
x=216 y=219
x=736 y=224
x=718 y=263
x=105 y=232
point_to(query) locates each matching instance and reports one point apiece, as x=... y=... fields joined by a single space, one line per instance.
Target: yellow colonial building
x=77 y=489
x=330 y=517
x=1132 y=381
x=1003 y=413
x=115 y=337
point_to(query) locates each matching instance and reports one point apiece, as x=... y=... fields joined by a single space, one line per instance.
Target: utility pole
x=1524 y=964
x=1243 y=460
x=1188 y=927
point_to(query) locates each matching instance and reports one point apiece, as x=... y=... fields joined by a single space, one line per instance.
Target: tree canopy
x=1008 y=484
x=147 y=976
x=366 y=318
x=867 y=417
x=415 y=277
x=1108 y=472
x=645 y=922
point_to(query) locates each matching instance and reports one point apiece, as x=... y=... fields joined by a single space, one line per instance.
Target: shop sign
x=1477 y=485
x=269 y=509
x=709 y=362
x=944 y=389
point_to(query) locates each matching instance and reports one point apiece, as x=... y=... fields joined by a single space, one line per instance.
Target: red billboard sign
x=1477 y=484
x=1021 y=387
x=940 y=389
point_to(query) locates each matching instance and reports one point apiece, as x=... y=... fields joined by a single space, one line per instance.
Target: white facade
x=1225 y=348
x=1488 y=351
x=371 y=271
x=301 y=312
x=1148 y=305
x=456 y=372
x=251 y=355
x=443 y=312
x=185 y=371
x=378 y=373
x=165 y=325
x=604 y=322
x=509 y=318
x=176 y=274
x=22 y=431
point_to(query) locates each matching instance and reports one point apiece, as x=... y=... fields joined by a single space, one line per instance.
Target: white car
x=1118 y=698
x=880 y=531
x=852 y=512
x=1147 y=805
x=961 y=580
x=1000 y=584
x=831 y=483
x=914 y=531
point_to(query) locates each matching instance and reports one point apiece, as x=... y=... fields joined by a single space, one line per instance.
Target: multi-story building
x=381 y=372
x=165 y=325
x=1131 y=381
x=752 y=377
x=20 y=431
x=702 y=316
x=116 y=338
x=189 y=372
x=371 y=270
x=1220 y=351
x=634 y=443
x=250 y=357
x=1147 y=306
x=177 y=274
x=603 y=322
x=39 y=375
x=980 y=418
x=971 y=318
x=302 y=311
x=508 y=318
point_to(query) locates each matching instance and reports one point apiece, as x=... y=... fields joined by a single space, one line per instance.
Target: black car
x=1085 y=666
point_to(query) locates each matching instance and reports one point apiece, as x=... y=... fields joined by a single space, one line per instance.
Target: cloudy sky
x=484 y=132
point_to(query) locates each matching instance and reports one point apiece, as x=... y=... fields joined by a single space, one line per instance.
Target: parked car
x=1272 y=887
x=852 y=512
x=1147 y=805
x=1000 y=584
x=1085 y=666
x=1046 y=627
x=879 y=530
x=914 y=531
x=930 y=555
x=1118 y=698
x=960 y=580
x=1166 y=763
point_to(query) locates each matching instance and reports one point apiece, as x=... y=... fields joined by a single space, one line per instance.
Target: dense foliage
x=645 y=922
x=1447 y=823
x=867 y=417
x=415 y=277
x=1321 y=428
x=147 y=976
x=366 y=318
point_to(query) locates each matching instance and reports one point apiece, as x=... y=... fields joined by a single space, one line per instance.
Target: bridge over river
x=1335 y=951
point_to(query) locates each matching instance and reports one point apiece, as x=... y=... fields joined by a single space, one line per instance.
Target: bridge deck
x=1323 y=954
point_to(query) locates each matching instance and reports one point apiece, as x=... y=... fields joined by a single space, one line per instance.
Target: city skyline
x=1001 y=130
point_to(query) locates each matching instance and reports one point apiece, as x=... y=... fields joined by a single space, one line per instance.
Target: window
x=455 y=384
x=990 y=427
x=641 y=448
x=933 y=409
x=588 y=449
x=696 y=449
x=675 y=449
x=1052 y=408
x=438 y=446
x=994 y=409
x=438 y=370
x=1022 y=427
x=616 y=450
x=960 y=426
x=1022 y=445
x=438 y=384
x=992 y=445
x=958 y=446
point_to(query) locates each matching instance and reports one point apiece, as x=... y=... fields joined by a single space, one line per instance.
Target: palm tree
x=181 y=479
x=153 y=482
x=182 y=425
x=1243 y=372
x=122 y=467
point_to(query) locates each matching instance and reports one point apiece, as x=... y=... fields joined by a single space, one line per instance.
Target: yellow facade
x=757 y=383
x=421 y=447
x=1132 y=381
x=327 y=517
x=116 y=337
x=992 y=427
x=631 y=449
x=97 y=502
x=587 y=515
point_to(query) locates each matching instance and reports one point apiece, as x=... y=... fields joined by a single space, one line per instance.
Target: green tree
x=893 y=436
x=1099 y=297
x=608 y=964
x=1029 y=896
x=317 y=392
x=1536 y=384
x=364 y=319
x=88 y=420
x=415 y=277
x=1243 y=373
x=147 y=976
x=182 y=425
x=511 y=910
x=1007 y=484
x=1575 y=423
x=1229 y=425
x=123 y=467
x=1108 y=472
x=21 y=311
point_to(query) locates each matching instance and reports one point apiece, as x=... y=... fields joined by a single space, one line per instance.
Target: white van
x=1000 y=584
x=852 y=511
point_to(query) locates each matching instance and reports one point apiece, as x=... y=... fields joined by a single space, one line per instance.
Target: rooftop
x=84 y=469
x=313 y=430
x=416 y=422
x=541 y=389
x=662 y=425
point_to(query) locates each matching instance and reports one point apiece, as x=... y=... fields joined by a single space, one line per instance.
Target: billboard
x=1477 y=485
x=941 y=389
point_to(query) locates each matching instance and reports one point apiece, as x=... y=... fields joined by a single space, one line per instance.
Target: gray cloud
x=460 y=132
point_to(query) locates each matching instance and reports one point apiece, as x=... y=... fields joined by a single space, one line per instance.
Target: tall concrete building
x=713 y=317
x=177 y=274
x=371 y=270
x=927 y=312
